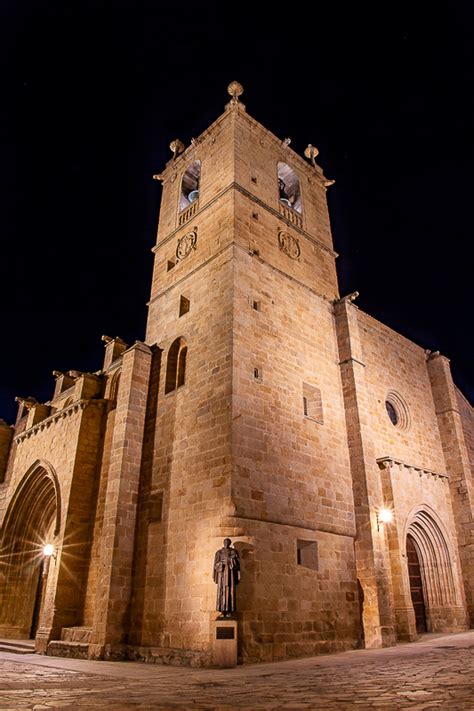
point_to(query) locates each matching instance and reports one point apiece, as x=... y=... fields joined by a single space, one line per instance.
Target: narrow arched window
x=181 y=366
x=190 y=185
x=114 y=387
x=289 y=192
x=176 y=365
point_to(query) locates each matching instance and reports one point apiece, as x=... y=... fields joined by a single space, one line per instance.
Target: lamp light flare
x=48 y=550
x=385 y=516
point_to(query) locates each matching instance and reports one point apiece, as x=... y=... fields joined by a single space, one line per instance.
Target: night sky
x=93 y=92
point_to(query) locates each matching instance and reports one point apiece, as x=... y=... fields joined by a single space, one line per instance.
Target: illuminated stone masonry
x=260 y=407
x=388 y=463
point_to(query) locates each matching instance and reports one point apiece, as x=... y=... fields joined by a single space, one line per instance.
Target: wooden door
x=40 y=585
x=416 y=585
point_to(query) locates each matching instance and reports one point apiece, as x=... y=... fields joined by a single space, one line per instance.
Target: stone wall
x=67 y=446
x=467 y=419
x=414 y=474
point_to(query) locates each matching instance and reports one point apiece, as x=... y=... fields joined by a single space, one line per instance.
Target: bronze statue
x=226 y=574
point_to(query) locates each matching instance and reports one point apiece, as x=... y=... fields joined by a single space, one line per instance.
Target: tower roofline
x=233 y=108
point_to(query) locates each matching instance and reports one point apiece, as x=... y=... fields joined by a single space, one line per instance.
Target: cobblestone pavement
x=436 y=673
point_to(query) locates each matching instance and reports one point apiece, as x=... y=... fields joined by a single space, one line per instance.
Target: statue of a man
x=226 y=574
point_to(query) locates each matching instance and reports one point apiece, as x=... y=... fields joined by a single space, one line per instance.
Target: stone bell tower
x=246 y=437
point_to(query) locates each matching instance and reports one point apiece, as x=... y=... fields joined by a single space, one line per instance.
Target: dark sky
x=93 y=92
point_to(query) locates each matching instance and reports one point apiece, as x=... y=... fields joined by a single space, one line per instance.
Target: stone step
x=76 y=634
x=17 y=646
x=73 y=650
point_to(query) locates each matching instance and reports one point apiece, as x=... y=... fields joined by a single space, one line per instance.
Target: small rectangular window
x=307 y=554
x=312 y=403
x=170 y=265
x=255 y=215
x=256 y=305
x=254 y=179
x=257 y=373
x=184 y=305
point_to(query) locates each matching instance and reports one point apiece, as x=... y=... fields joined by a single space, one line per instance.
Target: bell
x=193 y=195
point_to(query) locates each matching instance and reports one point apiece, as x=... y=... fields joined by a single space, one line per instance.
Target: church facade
x=262 y=407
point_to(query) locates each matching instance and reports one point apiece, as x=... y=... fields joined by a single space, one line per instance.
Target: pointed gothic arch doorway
x=32 y=520
x=431 y=574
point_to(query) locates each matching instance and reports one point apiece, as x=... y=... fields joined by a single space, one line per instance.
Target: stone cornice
x=233 y=110
x=313 y=173
x=449 y=409
x=236 y=245
x=243 y=191
x=138 y=346
x=60 y=414
x=289 y=523
x=387 y=463
x=179 y=163
x=352 y=360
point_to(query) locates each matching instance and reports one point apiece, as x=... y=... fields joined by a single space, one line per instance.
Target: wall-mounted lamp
x=384 y=516
x=48 y=551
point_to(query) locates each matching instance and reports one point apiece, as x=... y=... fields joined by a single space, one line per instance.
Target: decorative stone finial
x=235 y=90
x=286 y=141
x=311 y=152
x=328 y=183
x=27 y=402
x=176 y=147
x=115 y=339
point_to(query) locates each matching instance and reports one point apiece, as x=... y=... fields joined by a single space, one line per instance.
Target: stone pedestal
x=224 y=642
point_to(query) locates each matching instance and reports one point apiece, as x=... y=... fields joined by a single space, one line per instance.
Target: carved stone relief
x=289 y=245
x=186 y=244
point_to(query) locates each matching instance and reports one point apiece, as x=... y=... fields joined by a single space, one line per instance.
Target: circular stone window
x=397 y=410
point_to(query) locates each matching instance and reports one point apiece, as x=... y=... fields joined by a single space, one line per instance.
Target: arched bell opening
x=289 y=192
x=190 y=185
x=32 y=521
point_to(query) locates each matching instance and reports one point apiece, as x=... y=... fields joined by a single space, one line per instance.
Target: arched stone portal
x=432 y=575
x=32 y=519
